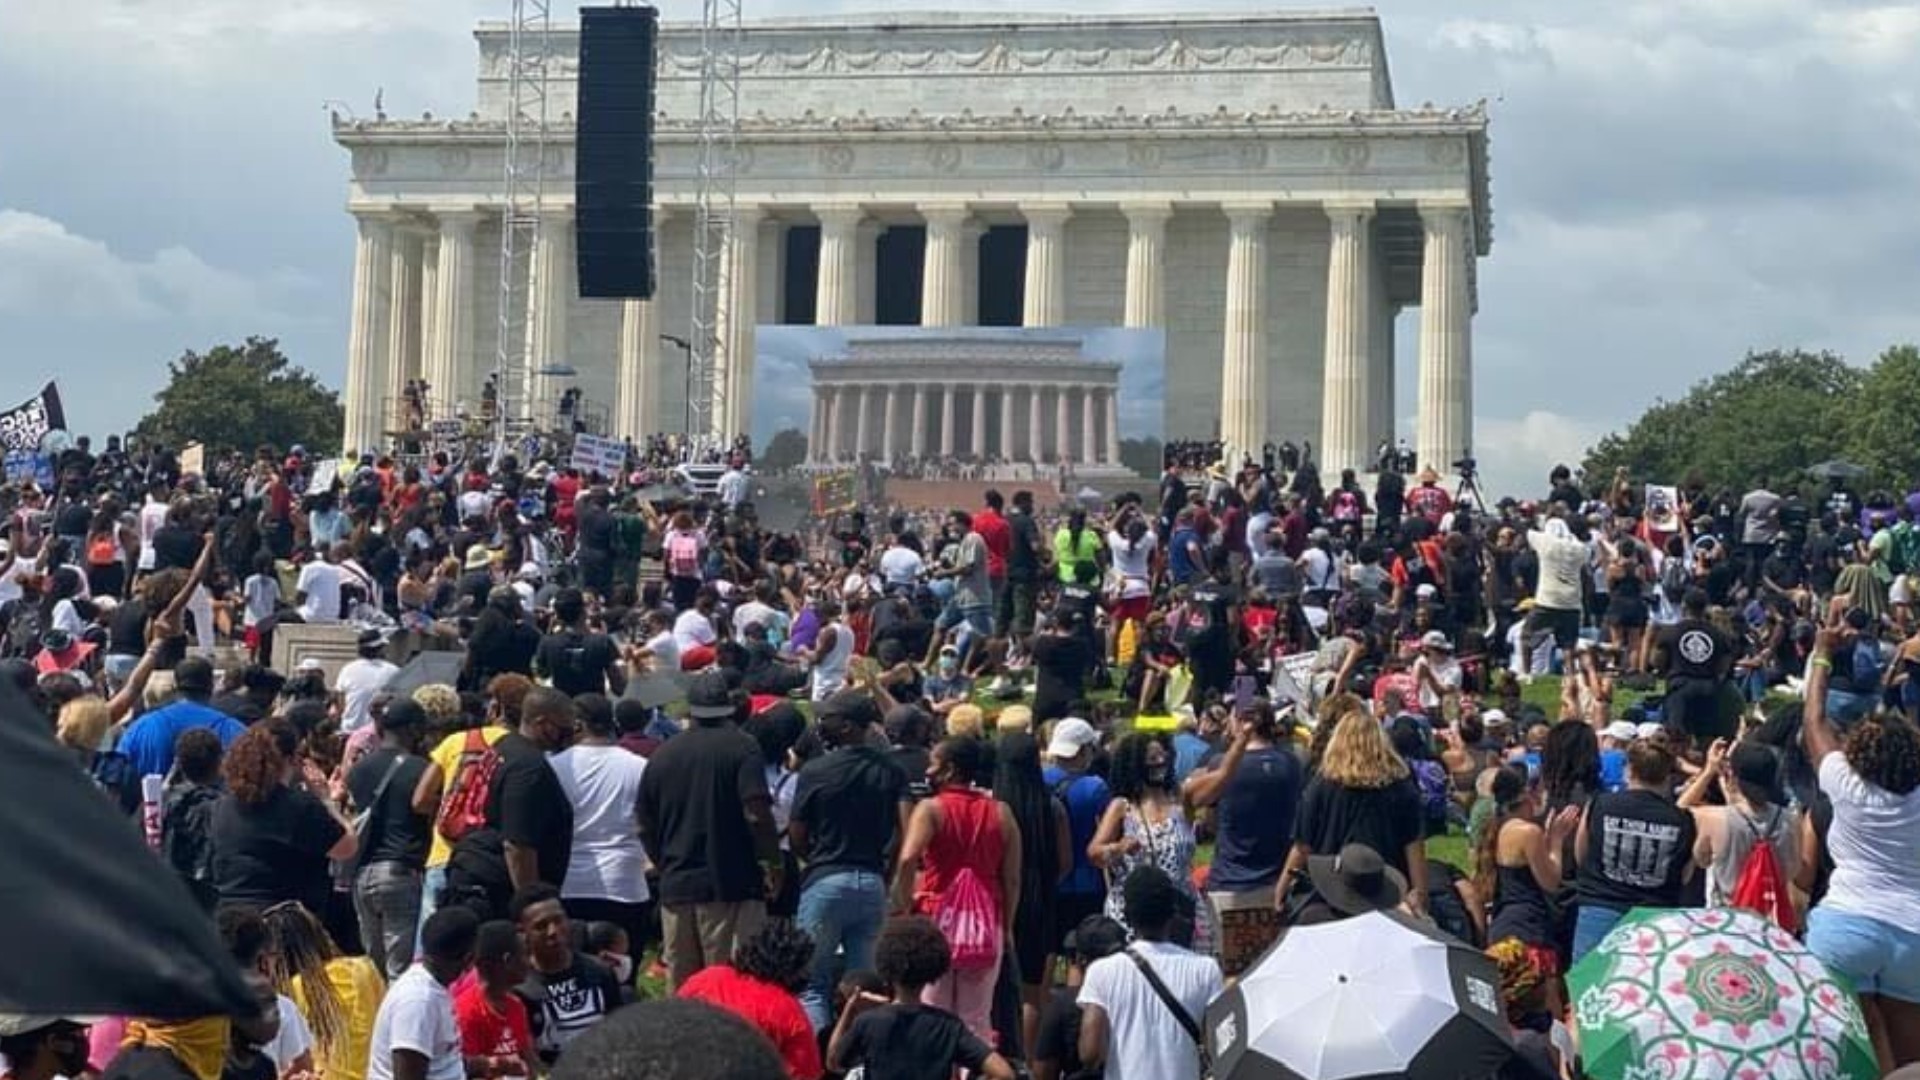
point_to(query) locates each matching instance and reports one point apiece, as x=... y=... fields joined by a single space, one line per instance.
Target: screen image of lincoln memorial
x=999 y=402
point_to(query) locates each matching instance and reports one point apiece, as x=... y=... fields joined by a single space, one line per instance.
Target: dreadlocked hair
x=297 y=967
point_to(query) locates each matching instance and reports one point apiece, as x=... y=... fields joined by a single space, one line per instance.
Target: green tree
x=786 y=449
x=1143 y=456
x=1763 y=421
x=1883 y=417
x=239 y=398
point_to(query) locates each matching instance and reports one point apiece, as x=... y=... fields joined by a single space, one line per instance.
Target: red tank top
x=969 y=835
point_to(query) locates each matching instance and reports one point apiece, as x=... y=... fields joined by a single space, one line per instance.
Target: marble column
x=1446 y=336
x=837 y=295
x=1089 y=442
x=815 y=423
x=942 y=292
x=919 y=425
x=1063 y=424
x=1243 y=386
x=890 y=403
x=1112 y=409
x=1006 y=423
x=1345 y=414
x=552 y=281
x=638 y=387
x=836 y=422
x=429 y=316
x=970 y=273
x=947 y=392
x=862 y=403
x=978 y=445
x=1035 y=450
x=449 y=363
x=403 y=328
x=367 y=334
x=1046 y=282
x=739 y=311
x=1146 y=244
x=867 y=240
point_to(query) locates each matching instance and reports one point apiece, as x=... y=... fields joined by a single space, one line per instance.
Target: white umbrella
x=1377 y=995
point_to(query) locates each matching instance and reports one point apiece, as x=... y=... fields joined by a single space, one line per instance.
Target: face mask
x=1158 y=775
x=622 y=968
x=946 y=665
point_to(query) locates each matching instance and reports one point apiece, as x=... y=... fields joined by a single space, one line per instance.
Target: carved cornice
x=1004 y=57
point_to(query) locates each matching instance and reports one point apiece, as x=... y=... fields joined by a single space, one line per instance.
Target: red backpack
x=1762 y=884
x=464 y=809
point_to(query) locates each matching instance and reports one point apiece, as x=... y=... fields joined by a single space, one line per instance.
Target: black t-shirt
x=693 y=808
x=1639 y=845
x=1061 y=664
x=528 y=806
x=127 y=629
x=912 y=1042
x=275 y=851
x=1023 y=559
x=146 y=1063
x=1058 y=1039
x=73 y=520
x=563 y=1005
x=596 y=531
x=175 y=547
x=1696 y=649
x=846 y=800
x=394 y=832
x=577 y=662
x=914 y=761
x=1385 y=819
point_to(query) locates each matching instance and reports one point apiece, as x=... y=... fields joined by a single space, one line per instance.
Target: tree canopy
x=786 y=449
x=238 y=398
x=1769 y=418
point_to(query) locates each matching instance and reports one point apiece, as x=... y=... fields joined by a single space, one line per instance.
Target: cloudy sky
x=1675 y=181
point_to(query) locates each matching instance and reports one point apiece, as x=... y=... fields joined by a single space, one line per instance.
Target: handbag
x=362 y=822
x=1187 y=1023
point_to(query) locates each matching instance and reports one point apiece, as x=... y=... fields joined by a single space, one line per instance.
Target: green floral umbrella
x=1715 y=994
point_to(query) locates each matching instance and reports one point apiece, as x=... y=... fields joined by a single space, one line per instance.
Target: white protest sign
x=324 y=474
x=599 y=454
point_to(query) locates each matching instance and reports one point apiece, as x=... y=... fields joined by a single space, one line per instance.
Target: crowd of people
x=1014 y=789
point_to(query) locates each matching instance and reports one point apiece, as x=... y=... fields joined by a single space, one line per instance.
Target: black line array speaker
x=613 y=153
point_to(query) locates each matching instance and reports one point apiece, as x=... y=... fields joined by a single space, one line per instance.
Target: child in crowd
x=492 y=1018
x=903 y=1039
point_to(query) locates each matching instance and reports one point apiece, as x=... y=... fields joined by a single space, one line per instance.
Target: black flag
x=24 y=426
x=95 y=923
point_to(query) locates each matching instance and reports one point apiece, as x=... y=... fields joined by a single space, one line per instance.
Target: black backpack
x=25 y=627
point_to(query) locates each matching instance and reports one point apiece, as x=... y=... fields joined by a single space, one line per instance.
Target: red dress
x=969 y=835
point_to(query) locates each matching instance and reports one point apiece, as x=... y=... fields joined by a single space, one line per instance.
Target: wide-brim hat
x=1429 y=476
x=478 y=557
x=1356 y=881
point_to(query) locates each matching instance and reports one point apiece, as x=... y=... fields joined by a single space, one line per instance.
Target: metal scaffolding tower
x=709 y=391
x=516 y=356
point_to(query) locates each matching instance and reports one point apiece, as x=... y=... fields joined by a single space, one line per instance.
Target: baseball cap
x=1070 y=736
x=1652 y=729
x=850 y=707
x=1493 y=716
x=1434 y=639
x=709 y=697
x=1622 y=730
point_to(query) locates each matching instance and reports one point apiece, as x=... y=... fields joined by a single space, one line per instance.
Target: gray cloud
x=1674 y=182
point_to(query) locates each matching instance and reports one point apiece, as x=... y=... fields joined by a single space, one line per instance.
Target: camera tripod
x=1469 y=484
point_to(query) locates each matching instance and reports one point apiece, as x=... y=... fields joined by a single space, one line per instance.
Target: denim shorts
x=1879 y=957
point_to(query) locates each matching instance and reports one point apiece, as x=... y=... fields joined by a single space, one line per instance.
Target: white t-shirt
x=665 y=650
x=1561 y=559
x=1134 y=565
x=294 y=1038
x=320 y=583
x=474 y=504
x=152 y=516
x=691 y=629
x=1446 y=671
x=753 y=611
x=608 y=861
x=263 y=592
x=358 y=683
x=416 y=1015
x=1144 y=1040
x=900 y=565
x=1875 y=843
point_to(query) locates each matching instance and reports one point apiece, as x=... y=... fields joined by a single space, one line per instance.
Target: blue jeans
x=431 y=886
x=841 y=910
x=1592 y=926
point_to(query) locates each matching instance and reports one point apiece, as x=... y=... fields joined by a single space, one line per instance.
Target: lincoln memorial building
x=1247 y=183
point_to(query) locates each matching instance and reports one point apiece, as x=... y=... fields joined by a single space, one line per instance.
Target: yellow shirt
x=357 y=983
x=447 y=757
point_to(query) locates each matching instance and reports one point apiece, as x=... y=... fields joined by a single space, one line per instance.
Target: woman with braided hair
x=337 y=995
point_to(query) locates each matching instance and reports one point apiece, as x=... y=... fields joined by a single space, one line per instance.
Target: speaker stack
x=613 y=153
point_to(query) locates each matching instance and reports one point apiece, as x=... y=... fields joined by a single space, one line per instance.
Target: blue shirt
x=1086 y=798
x=1613 y=770
x=1255 y=816
x=1189 y=750
x=148 y=743
x=1179 y=562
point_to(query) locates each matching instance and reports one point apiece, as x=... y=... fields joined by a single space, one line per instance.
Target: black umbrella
x=1380 y=995
x=95 y=924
